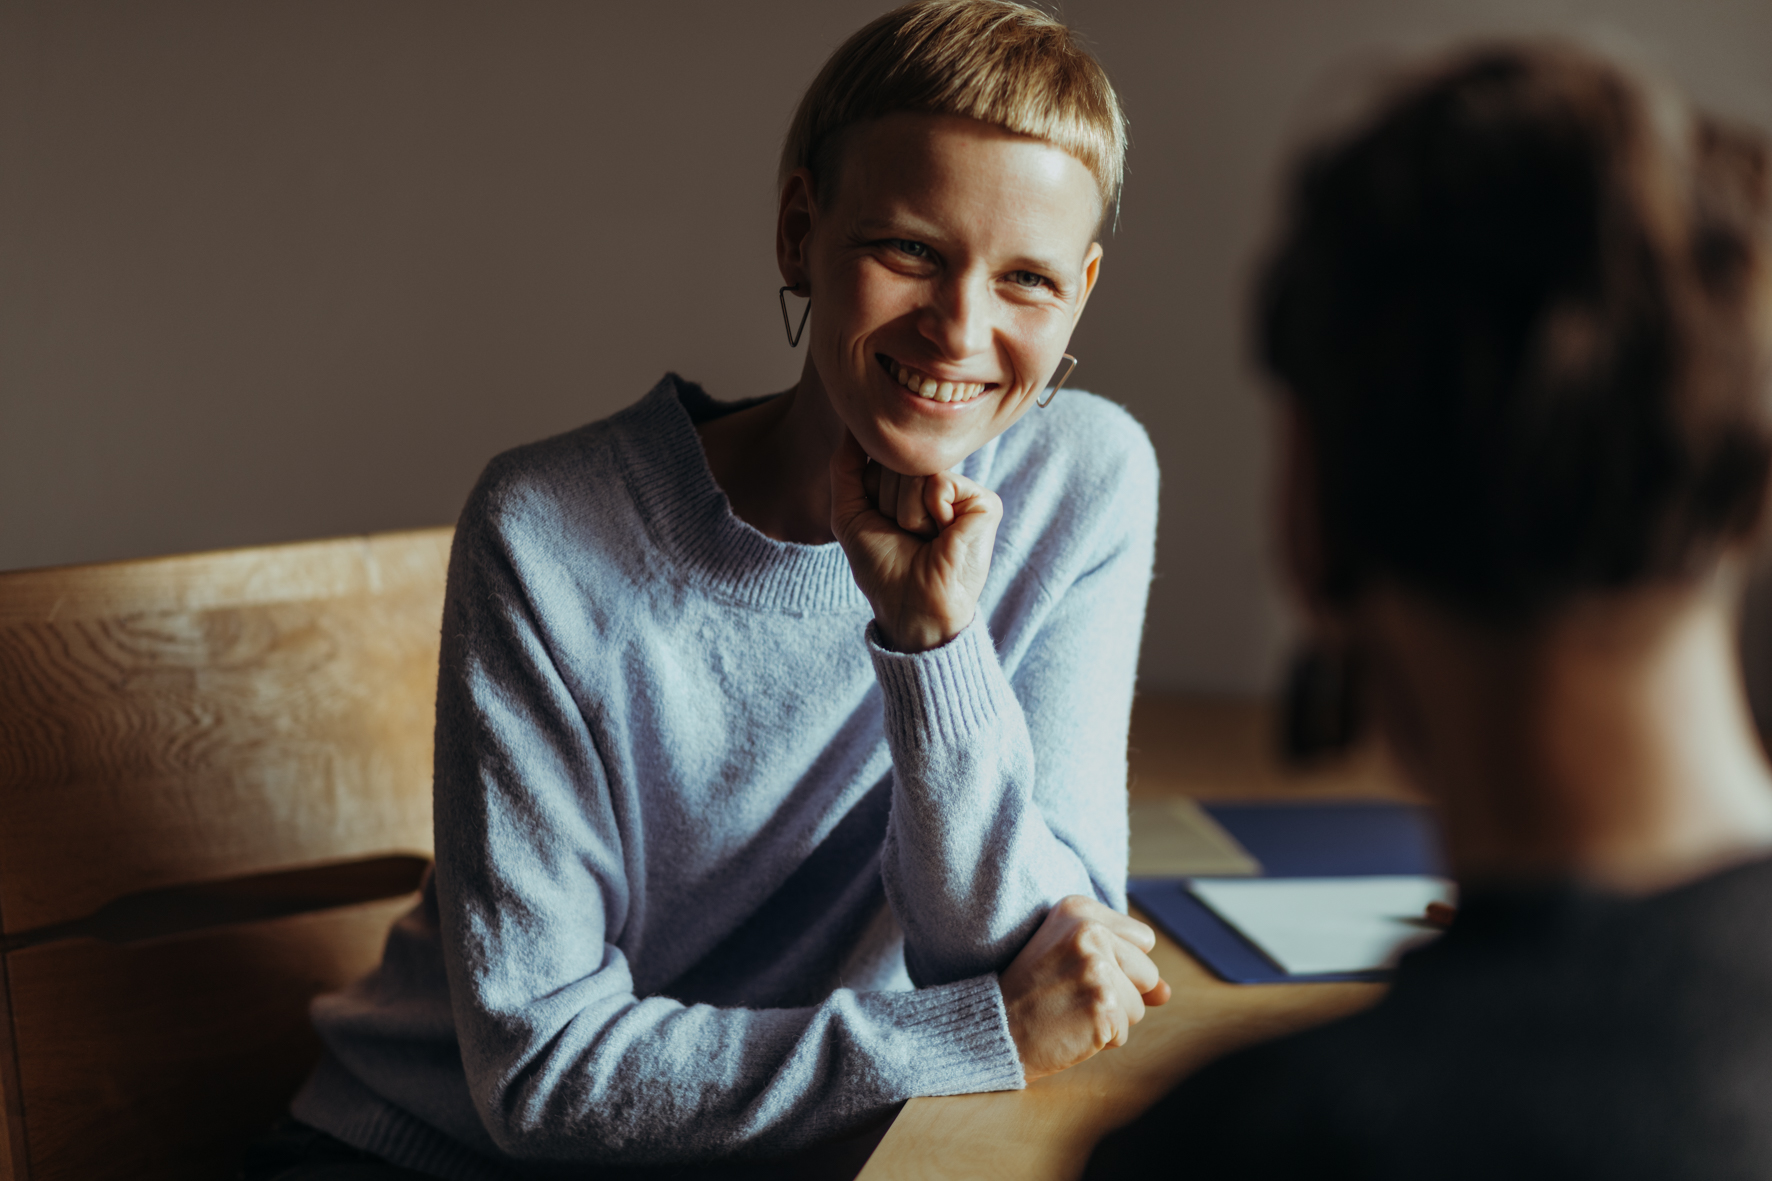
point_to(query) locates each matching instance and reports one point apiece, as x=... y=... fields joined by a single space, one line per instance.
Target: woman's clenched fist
x=919 y=546
x=1079 y=986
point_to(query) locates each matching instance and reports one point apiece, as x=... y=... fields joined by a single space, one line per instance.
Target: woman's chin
x=913 y=459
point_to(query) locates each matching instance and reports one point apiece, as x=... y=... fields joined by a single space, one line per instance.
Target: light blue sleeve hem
x=951 y=694
x=963 y=1045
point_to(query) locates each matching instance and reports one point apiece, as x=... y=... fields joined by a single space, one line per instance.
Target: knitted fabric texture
x=717 y=875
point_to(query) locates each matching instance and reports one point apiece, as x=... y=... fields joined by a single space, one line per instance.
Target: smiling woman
x=780 y=763
x=953 y=258
x=950 y=260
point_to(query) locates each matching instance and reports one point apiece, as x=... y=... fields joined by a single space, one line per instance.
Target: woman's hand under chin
x=919 y=546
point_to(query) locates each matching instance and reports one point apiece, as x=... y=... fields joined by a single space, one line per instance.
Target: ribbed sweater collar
x=691 y=521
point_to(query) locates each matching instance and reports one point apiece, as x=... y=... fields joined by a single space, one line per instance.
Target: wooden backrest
x=214 y=797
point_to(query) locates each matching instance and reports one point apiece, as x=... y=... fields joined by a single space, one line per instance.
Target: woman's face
x=946 y=267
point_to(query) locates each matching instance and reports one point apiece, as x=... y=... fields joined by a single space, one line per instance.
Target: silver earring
x=1052 y=393
x=793 y=334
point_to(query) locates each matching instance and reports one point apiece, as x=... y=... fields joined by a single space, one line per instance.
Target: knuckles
x=1084 y=986
x=1074 y=906
x=1094 y=970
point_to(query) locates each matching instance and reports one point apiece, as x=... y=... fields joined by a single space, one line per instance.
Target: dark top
x=1556 y=1033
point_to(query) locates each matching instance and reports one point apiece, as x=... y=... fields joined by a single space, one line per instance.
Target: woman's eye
x=1029 y=279
x=914 y=249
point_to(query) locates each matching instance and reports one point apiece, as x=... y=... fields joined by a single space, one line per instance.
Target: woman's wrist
x=921 y=634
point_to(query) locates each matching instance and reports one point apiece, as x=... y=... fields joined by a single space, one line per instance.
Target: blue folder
x=1293 y=841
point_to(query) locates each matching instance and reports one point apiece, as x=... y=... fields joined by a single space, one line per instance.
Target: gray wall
x=286 y=270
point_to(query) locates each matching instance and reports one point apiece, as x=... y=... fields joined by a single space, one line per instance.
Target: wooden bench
x=214 y=798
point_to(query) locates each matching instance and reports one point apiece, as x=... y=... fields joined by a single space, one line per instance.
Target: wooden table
x=1202 y=748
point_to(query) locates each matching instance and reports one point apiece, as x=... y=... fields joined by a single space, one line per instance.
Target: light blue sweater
x=716 y=874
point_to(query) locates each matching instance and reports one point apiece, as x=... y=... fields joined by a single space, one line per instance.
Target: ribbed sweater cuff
x=943 y=696
x=336 y=1103
x=961 y=1041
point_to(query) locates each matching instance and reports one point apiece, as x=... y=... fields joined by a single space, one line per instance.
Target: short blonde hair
x=998 y=62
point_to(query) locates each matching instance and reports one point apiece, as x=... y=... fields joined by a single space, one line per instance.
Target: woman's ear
x=794 y=223
x=1091 y=272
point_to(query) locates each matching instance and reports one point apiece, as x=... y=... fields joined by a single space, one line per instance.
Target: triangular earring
x=1052 y=393
x=794 y=335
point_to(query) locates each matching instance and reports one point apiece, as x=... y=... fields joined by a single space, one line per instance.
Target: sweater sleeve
x=564 y=1062
x=1010 y=790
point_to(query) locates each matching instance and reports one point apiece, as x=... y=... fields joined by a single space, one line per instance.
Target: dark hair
x=1521 y=313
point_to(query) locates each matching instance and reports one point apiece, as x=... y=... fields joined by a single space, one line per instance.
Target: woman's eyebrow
x=900 y=226
x=1043 y=266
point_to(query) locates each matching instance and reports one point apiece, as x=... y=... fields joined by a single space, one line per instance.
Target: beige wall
x=285 y=270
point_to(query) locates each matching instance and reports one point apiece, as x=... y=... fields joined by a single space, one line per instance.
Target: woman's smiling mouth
x=932 y=388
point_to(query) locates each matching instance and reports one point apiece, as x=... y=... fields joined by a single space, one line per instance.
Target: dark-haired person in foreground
x=1519 y=323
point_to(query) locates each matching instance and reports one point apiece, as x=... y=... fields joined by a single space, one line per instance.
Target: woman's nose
x=957 y=321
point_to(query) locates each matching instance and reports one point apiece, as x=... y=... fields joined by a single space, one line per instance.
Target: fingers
x=926 y=505
x=1081 y=907
x=857 y=485
x=901 y=499
x=923 y=505
x=1133 y=980
x=1133 y=941
x=939 y=494
x=1137 y=966
x=963 y=488
x=1114 y=973
x=1079 y=985
x=913 y=516
x=1130 y=929
x=965 y=501
x=1122 y=1000
x=1132 y=1005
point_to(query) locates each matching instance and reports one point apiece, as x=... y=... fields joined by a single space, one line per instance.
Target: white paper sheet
x=1311 y=925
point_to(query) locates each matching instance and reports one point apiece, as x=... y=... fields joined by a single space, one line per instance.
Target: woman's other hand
x=1079 y=986
x=920 y=546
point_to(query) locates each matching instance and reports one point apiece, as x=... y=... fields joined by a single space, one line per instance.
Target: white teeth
x=937 y=391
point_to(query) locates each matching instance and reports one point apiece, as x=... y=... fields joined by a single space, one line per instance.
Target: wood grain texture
x=332 y=569
x=1181 y=747
x=160 y=1060
x=1046 y=1132
x=198 y=718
